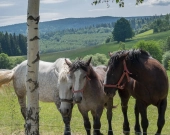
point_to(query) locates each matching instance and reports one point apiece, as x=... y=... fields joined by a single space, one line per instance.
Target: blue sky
x=14 y=11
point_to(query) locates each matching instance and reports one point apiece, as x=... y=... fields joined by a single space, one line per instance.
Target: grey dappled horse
x=88 y=93
x=54 y=86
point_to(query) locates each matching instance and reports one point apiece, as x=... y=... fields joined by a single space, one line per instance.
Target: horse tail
x=6 y=76
x=115 y=106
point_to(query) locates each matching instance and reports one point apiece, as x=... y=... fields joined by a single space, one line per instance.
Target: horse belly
x=46 y=94
x=91 y=104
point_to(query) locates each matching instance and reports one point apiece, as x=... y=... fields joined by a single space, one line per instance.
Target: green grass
x=12 y=123
x=144 y=34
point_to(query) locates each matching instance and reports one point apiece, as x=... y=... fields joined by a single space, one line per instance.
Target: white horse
x=54 y=86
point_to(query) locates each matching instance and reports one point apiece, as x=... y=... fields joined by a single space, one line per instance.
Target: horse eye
x=71 y=88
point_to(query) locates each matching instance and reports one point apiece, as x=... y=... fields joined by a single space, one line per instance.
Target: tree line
x=12 y=44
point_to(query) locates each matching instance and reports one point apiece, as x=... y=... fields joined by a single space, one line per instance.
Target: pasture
x=12 y=122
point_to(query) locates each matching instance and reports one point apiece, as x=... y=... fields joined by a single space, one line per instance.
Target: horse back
x=101 y=72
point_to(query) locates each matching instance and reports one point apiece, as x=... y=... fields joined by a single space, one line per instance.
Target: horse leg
x=109 y=115
x=161 y=115
x=137 y=125
x=124 y=96
x=22 y=102
x=66 y=120
x=87 y=124
x=85 y=116
x=144 y=120
x=96 y=118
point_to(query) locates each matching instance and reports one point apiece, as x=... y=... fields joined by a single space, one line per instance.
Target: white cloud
x=8 y=20
x=102 y=9
x=51 y=1
x=6 y=4
x=50 y=16
x=157 y=2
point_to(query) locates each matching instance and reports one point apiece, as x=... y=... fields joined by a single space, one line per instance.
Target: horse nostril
x=80 y=98
x=67 y=110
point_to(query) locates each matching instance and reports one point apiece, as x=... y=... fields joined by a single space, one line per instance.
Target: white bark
x=32 y=114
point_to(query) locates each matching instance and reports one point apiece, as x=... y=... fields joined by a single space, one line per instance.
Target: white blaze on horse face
x=79 y=80
x=65 y=93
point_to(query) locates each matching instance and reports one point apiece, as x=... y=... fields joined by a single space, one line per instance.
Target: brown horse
x=88 y=93
x=135 y=73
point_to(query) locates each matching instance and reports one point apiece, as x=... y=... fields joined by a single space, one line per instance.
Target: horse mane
x=63 y=73
x=79 y=64
x=133 y=55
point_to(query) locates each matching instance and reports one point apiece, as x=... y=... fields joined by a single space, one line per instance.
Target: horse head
x=65 y=93
x=117 y=73
x=79 y=74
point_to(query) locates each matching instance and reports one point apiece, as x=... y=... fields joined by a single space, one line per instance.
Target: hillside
x=75 y=33
x=62 y=24
x=105 y=48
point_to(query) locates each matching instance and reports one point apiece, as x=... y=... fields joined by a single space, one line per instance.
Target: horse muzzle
x=77 y=98
x=65 y=111
x=110 y=92
x=65 y=108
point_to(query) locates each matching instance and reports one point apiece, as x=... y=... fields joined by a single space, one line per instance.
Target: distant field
x=144 y=34
x=105 y=48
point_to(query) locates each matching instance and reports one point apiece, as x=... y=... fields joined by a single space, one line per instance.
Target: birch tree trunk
x=32 y=114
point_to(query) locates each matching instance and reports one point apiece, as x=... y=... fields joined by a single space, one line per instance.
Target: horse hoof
x=98 y=134
x=126 y=132
x=138 y=133
x=67 y=133
x=110 y=132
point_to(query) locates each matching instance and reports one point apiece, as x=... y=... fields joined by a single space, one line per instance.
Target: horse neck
x=92 y=74
x=94 y=84
x=138 y=69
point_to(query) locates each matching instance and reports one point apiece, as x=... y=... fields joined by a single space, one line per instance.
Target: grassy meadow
x=12 y=122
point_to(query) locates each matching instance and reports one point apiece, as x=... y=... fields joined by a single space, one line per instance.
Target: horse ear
x=110 y=54
x=88 y=62
x=124 y=56
x=68 y=63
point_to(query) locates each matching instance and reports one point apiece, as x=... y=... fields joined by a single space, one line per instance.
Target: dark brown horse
x=88 y=93
x=135 y=73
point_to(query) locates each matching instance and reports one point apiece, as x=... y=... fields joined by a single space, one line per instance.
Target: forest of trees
x=13 y=45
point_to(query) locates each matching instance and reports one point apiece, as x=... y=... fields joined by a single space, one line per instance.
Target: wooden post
x=32 y=114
